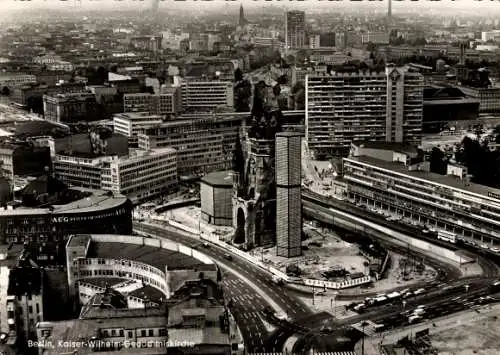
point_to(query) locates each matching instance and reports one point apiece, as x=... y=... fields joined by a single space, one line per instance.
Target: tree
x=5 y=91
x=299 y=95
x=238 y=75
x=242 y=94
x=438 y=161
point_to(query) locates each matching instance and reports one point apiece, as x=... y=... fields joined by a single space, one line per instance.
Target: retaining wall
x=344 y=220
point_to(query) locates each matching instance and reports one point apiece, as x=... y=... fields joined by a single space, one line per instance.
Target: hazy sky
x=445 y=5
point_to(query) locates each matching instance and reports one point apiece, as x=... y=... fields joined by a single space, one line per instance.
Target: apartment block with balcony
x=394 y=178
x=204 y=142
x=357 y=106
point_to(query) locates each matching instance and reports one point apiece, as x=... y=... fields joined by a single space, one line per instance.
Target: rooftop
x=207 y=335
x=394 y=146
x=79 y=240
x=85 y=329
x=461 y=101
x=25 y=280
x=448 y=180
x=140 y=153
x=97 y=200
x=289 y=134
x=219 y=179
x=156 y=257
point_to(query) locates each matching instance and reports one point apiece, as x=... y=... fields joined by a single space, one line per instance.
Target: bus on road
x=447 y=236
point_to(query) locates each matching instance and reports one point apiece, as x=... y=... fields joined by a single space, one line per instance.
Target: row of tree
x=481 y=162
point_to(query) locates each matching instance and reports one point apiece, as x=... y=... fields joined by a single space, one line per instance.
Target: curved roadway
x=247 y=304
x=304 y=322
x=341 y=329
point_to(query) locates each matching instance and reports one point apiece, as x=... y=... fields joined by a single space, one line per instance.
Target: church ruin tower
x=254 y=203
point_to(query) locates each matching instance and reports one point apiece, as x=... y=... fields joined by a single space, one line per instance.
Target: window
x=121 y=332
x=30 y=309
x=130 y=334
x=162 y=332
x=37 y=308
x=143 y=333
x=151 y=332
x=113 y=332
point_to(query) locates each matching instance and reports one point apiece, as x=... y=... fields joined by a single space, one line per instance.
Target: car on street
x=228 y=257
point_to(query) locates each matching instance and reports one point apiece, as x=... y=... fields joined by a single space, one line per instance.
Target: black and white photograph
x=249 y=177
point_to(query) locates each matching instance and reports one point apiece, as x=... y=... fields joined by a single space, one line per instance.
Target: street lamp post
x=313 y=294
x=363 y=325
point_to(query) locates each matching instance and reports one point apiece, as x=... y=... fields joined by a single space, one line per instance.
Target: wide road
x=283 y=297
x=441 y=293
x=389 y=315
x=248 y=309
x=341 y=328
x=246 y=301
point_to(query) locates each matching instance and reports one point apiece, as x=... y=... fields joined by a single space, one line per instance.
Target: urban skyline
x=246 y=178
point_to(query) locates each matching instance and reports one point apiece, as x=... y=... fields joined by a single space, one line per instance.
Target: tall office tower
x=288 y=203
x=362 y=106
x=295 y=29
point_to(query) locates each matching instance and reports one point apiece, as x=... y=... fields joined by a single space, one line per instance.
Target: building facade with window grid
x=452 y=203
x=141 y=175
x=295 y=29
x=288 y=196
x=70 y=107
x=202 y=95
x=166 y=103
x=204 y=142
x=131 y=123
x=489 y=98
x=357 y=106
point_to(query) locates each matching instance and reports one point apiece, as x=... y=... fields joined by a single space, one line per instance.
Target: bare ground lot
x=479 y=336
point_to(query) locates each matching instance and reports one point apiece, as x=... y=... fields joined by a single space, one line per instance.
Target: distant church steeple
x=242 y=22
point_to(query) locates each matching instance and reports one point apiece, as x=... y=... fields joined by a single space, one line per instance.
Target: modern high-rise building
x=288 y=203
x=369 y=106
x=295 y=29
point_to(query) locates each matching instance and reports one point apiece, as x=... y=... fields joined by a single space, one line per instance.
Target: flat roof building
x=216 y=191
x=396 y=179
x=70 y=107
x=204 y=142
x=140 y=175
x=131 y=123
x=204 y=95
